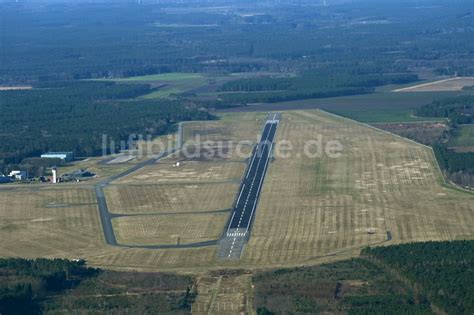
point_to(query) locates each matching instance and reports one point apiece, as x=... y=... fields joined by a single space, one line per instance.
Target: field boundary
x=443 y=183
x=409 y=88
x=106 y=216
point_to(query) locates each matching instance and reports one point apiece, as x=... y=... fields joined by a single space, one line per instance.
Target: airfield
x=381 y=190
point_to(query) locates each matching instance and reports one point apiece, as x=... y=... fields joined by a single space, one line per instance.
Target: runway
x=244 y=208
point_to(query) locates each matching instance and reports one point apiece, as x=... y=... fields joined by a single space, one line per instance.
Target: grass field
x=316 y=207
x=170 y=198
x=241 y=126
x=463 y=139
x=178 y=82
x=311 y=210
x=166 y=83
x=381 y=114
x=380 y=107
x=49 y=223
x=169 y=229
x=188 y=172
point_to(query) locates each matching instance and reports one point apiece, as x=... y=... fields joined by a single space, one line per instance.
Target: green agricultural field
x=384 y=107
x=381 y=114
x=464 y=137
x=166 y=83
x=380 y=107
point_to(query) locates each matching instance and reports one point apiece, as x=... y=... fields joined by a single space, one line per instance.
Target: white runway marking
x=254 y=186
x=240 y=195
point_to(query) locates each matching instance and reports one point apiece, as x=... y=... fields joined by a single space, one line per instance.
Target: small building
x=65 y=156
x=18 y=175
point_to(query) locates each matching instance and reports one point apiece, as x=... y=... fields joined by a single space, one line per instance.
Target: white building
x=18 y=175
x=65 y=156
x=55 y=175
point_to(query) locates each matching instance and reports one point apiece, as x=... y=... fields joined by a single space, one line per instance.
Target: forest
x=442 y=270
x=416 y=278
x=321 y=84
x=456 y=109
x=74 y=116
x=62 y=286
x=120 y=39
x=353 y=286
x=322 y=79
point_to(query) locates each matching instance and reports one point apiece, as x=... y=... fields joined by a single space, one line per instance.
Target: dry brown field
x=170 y=198
x=311 y=209
x=169 y=229
x=46 y=222
x=165 y=171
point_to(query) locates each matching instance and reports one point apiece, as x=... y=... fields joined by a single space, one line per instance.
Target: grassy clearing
x=46 y=222
x=166 y=83
x=188 y=172
x=381 y=114
x=155 y=260
x=169 y=229
x=230 y=127
x=170 y=198
x=464 y=137
x=315 y=207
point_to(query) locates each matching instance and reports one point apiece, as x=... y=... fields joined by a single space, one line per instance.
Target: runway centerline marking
x=245 y=206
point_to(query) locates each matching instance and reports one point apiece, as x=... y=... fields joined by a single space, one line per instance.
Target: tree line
x=457 y=166
x=74 y=116
x=454 y=108
x=321 y=84
x=57 y=285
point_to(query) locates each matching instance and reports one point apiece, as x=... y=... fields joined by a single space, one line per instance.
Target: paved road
x=232 y=244
x=106 y=216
